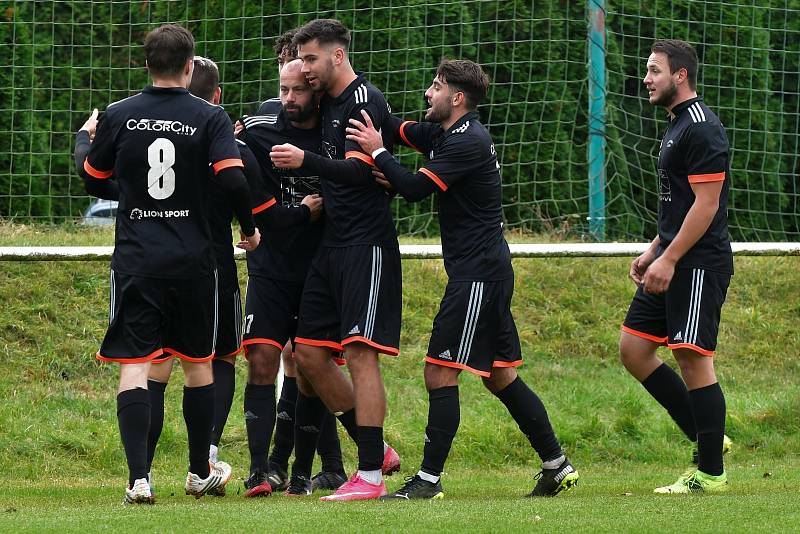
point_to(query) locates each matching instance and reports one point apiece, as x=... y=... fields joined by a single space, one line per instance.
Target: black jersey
x=271 y=106
x=694 y=149
x=354 y=214
x=220 y=212
x=463 y=165
x=159 y=144
x=284 y=254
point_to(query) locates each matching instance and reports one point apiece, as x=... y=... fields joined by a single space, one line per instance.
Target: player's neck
x=345 y=77
x=454 y=117
x=167 y=83
x=680 y=98
x=307 y=124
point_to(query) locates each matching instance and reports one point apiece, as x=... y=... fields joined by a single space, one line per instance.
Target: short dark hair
x=167 y=49
x=326 y=31
x=465 y=76
x=284 y=41
x=205 y=79
x=681 y=55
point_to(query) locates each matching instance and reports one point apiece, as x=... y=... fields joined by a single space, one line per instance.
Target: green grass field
x=63 y=468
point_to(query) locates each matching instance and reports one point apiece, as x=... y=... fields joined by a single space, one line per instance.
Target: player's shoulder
x=270 y=106
x=123 y=105
x=364 y=92
x=270 y=121
x=468 y=131
x=701 y=123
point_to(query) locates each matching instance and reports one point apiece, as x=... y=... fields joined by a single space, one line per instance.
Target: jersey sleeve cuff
x=226 y=163
x=96 y=173
x=432 y=175
x=359 y=155
x=261 y=207
x=712 y=177
x=403 y=135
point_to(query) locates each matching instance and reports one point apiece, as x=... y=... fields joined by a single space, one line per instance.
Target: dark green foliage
x=66 y=57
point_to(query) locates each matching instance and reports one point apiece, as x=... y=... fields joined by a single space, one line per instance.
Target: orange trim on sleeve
x=102 y=175
x=649 y=337
x=403 y=135
x=319 y=343
x=700 y=178
x=438 y=181
x=225 y=163
x=360 y=155
x=704 y=352
x=391 y=351
x=143 y=359
x=268 y=204
x=189 y=358
x=454 y=365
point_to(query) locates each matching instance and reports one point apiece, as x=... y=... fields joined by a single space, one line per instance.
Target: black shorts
x=270 y=311
x=474 y=329
x=151 y=316
x=229 y=328
x=352 y=295
x=686 y=316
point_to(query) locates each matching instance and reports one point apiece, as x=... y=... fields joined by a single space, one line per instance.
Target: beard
x=439 y=113
x=667 y=97
x=298 y=113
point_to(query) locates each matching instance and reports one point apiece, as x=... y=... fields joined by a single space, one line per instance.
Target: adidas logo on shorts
x=446 y=355
x=679 y=336
x=354 y=330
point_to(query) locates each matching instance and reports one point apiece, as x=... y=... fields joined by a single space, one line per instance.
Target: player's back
x=160 y=143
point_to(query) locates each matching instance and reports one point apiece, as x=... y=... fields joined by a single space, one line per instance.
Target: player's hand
x=639 y=266
x=314 y=203
x=91 y=124
x=286 y=156
x=249 y=243
x=365 y=134
x=238 y=128
x=381 y=179
x=658 y=276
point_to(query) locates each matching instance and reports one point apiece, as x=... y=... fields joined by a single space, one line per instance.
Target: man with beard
x=352 y=297
x=683 y=277
x=474 y=329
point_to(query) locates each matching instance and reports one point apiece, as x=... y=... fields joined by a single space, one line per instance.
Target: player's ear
x=683 y=75
x=338 y=55
x=217 y=98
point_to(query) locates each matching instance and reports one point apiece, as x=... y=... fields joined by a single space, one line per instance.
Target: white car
x=100 y=212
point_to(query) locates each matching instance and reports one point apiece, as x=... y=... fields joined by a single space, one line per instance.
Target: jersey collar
x=472 y=115
x=350 y=89
x=165 y=90
x=683 y=106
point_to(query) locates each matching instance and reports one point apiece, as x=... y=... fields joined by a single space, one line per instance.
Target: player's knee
x=500 y=378
x=439 y=376
x=263 y=362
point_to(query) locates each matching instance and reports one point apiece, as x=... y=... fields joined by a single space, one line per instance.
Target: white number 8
x=161 y=177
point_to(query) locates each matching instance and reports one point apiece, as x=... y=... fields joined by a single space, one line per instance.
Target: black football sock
x=198 y=412
x=225 y=382
x=156 y=390
x=133 y=415
x=708 y=406
x=308 y=420
x=669 y=390
x=328 y=446
x=370 y=448
x=283 y=442
x=530 y=414
x=444 y=416
x=348 y=420
x=259 y=418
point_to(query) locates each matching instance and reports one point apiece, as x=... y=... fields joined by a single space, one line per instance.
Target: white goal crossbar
x=539 y=250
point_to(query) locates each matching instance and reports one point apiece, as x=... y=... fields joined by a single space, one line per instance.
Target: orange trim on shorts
x=703 y=352
x=403 y=135
x=94 y=172
x=360 y=155
x=339 y=361
x=443 y=363
x=234 y=353
x=319 y=343
x=225 y=163
x=502 y=363
x=391 y=351
x=700 y=178
x=438 y=181
x=143 y=359
x=262 y=341
x=186 y=358
x=268 y=204
x=649 y=337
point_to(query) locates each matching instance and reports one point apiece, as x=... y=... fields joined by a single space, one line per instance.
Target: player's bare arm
x=698 y=219
x=640 y=264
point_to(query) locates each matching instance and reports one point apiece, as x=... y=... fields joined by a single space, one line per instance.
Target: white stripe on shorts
x=216 y=311
x=698 y=275
x=471 y=321
x=374 y=289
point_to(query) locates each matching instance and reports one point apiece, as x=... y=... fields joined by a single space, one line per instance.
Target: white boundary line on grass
x=539 y=250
